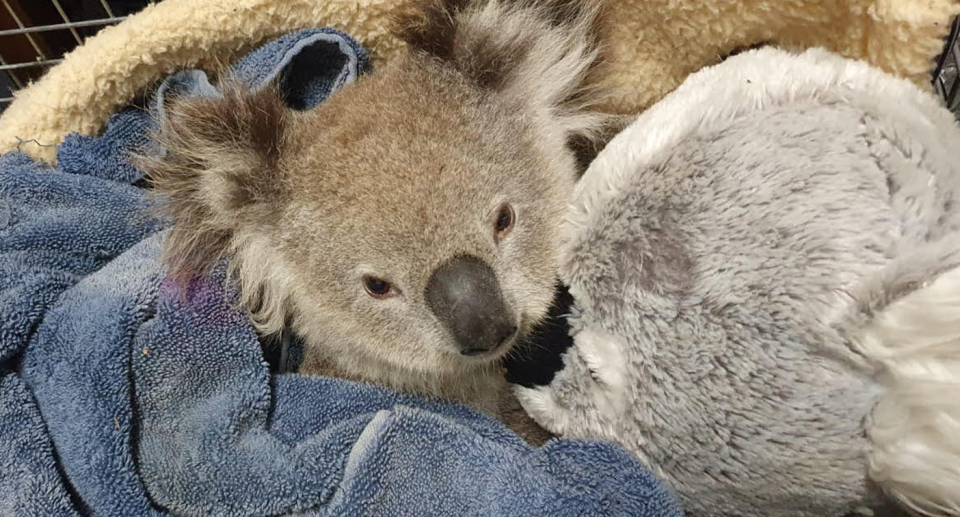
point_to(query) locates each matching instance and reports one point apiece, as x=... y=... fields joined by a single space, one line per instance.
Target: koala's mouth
x=496 y=351
x=487 y=355
x=508 y=342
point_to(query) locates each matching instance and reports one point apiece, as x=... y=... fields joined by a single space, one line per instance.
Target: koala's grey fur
x=731 y=251
x=394 y=176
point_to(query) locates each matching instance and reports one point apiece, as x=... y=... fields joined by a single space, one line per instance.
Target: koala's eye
x=504 y=221
x=378 y=288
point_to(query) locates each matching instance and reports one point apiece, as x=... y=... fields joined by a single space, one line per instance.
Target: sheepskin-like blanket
x=651 y=46
x=766 y=275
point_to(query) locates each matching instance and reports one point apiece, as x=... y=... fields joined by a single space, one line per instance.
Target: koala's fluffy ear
x=538 y=52
x=219 y=171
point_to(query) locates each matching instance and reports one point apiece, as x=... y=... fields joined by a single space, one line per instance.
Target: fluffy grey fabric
x=730 y=254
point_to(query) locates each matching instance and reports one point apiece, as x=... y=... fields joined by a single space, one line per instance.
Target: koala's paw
x=589 y=395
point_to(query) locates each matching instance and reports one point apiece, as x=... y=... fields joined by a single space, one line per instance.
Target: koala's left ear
x=909 y=328
x=219 y=170
x=538 y=52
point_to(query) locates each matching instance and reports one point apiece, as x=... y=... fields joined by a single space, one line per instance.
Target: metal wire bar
x=106 y=8
x=13 y=77
x=34 y=64
x=950 y=43
x=66 y=19
x=42 y=60
x=948 y=64
x=950 y=96
x=62 y=26
x=16 y=19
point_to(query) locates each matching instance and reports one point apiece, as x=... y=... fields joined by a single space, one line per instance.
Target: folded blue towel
x=123 y=393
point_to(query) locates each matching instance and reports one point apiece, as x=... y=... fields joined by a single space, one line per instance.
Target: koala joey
x=407 y=228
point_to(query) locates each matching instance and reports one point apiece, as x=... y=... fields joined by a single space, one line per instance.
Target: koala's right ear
x=539 y=53
x=219 y=170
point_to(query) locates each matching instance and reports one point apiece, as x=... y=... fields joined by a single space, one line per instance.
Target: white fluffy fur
x=265 y=283
x=915 y=428
x=539 y=402
x=603 y=354
x=599 y=355
x=553 y=68
x=718 y=94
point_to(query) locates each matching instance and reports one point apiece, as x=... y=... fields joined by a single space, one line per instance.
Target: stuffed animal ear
x=911 y=332
x=537 y=52
x=218 y=168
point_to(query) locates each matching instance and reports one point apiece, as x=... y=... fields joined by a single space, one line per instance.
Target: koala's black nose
x=465 y=296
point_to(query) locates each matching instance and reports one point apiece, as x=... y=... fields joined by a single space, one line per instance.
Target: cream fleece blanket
x=652 y=45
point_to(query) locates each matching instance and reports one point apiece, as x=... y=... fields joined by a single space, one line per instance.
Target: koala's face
x=409 y=225
x=420 y=223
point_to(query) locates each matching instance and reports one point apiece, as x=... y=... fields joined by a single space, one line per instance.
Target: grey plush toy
x=766 y=274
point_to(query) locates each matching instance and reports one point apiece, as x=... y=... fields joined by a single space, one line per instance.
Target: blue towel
x=125 y=394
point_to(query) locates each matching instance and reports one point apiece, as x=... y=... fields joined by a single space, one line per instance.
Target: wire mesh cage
x=35 y=34
x=946 y=80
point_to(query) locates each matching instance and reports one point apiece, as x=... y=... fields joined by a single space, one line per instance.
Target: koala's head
x=411 y=221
